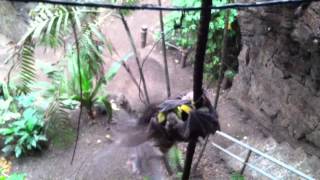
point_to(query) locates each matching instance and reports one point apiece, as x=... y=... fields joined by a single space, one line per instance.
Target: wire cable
x=153 y=7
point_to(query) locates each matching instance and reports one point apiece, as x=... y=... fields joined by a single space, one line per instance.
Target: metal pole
x=203 y=30
x=245 y=162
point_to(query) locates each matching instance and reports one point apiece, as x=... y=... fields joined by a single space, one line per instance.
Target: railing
x=251 y=149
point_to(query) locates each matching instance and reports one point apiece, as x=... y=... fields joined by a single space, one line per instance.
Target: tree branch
x=126 y=27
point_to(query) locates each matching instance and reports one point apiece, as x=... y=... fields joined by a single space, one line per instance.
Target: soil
x=99 y=154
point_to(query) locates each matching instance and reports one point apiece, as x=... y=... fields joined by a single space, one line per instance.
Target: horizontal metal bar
x=171 y=8
x=243 y=161
x=290 y=168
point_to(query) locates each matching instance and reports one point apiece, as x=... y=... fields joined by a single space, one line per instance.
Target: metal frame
x=279 y=163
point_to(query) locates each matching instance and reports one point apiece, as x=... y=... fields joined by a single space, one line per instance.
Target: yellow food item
x=5 y=166
x=161 y=117
x=185 y=108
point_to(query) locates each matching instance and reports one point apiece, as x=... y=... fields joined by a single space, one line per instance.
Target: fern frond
x=56 y=112
x=27 y=68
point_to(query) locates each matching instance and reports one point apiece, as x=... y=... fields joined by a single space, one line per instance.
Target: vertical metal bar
x=203 y=30
x=245 y=162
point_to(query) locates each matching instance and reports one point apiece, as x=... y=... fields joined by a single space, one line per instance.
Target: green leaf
x=29 y=113
x=24 y=137
x=16 y=176
x=42 y=138
x=7 y=149
x=6 y=131
x=77 y=19
x=31 y=118
x=97 y=32
x=58 y=25
x=38 y=30
x=8 y=140
x=116 y=66
x=107 y=105
x=49 y=27
x=237 y=176
x=11 y=116
x=66 y=21
x=33 y=143
x=18 y=151
x=26 y=101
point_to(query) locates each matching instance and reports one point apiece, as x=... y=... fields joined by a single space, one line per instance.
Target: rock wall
x=279 y=71
x=13 y=21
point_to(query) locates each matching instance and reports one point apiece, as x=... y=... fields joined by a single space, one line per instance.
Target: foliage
x=176 y=159
x=24 y=119
x=14 y=176
x=24 y=131
x=185 y=36
x=125 y=2
x=92 y=75
x=48 y=26
x=237 y=176
x=229 y=74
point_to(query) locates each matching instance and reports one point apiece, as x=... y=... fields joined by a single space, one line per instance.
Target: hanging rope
x=80 y=88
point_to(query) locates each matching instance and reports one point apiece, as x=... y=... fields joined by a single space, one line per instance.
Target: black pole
x=198 y=76
x=221 y=75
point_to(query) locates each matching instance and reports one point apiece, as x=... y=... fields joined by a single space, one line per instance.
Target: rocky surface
x=245 y=128
x=13 y=21
x=279 y=71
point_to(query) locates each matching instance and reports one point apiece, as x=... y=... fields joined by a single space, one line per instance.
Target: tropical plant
x=25 y=131
x=92 y=81
x=182 y=31
x=75 y=80
x=7 y=106
x=50 y=27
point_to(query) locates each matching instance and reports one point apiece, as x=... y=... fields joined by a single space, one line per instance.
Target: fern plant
x=50 y=27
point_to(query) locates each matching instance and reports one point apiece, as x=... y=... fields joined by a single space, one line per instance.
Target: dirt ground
x=99 y=155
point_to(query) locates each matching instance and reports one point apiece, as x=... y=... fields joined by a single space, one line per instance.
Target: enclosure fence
x=264 y=155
